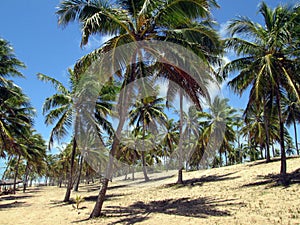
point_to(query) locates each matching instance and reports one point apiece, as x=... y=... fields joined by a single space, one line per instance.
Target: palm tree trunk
x=295 y=132
x=261 y=151
x=266 y=123
x=116 y=142
x=220 y=155
x=70 y=180
x=144 y=167
x=180 y=168
x=26 y=178
x=101 y=196
x=143 y=156
x=79 y=174
x=281 y=141
x=16 y=174
x=132 y=172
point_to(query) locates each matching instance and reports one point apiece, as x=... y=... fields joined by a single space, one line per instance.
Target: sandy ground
x=240 y=194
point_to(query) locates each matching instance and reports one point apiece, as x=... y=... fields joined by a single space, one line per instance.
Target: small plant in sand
x=78 y=199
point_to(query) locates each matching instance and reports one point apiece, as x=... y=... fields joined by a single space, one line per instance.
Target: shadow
x=93 y=198
x=275 y=180
x=203 y=179
x=117 y=187
x=11 y=197
x=155 y=179
x=263 y=161
x=80 y=221
x=55 y=203
x=197 y=208
x=12 y=205
x=30 y=191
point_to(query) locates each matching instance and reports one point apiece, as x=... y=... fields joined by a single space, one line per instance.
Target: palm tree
x=170 y=139
x=59 y=110
x=265 y=61
x=10 y=65
x=15 y=110
x=35 y=156
x=132 y=21
x=145 y=113
x=218 y=126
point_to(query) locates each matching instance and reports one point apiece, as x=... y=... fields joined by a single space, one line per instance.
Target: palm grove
x=266 y=66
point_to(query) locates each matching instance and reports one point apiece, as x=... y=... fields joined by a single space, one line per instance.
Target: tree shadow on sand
x=93 y=198
x=275 y=180
x=204 y=179
x=12 y=205
x=197 y=208
x=155 y=179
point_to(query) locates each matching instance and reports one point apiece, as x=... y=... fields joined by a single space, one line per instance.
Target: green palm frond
x=56 y=84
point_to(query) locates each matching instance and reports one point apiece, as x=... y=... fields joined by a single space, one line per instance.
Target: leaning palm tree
x=265 y=61
x=147 y=112
x=15 y=110
x=141 y=20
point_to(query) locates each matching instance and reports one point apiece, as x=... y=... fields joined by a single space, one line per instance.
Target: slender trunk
x=273 y=149
x=226 y=161
x=133 y=173
x=26 y=177
x=144 y=167
x=281 y=130
x=296 y=141
x=70 y=179
x=266 y=123
x=101 y=196
x=143 y=156
x=116 y=142
x=79 y=174
x=16 y=174
x=180 y=160
x=261 y=151
x=220 y=156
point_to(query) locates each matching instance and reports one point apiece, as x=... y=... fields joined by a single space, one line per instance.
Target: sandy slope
x=240 y=194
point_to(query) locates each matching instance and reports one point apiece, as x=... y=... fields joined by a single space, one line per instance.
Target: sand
x=239 y=194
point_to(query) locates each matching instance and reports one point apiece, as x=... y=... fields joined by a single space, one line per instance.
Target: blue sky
x=31 y=27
